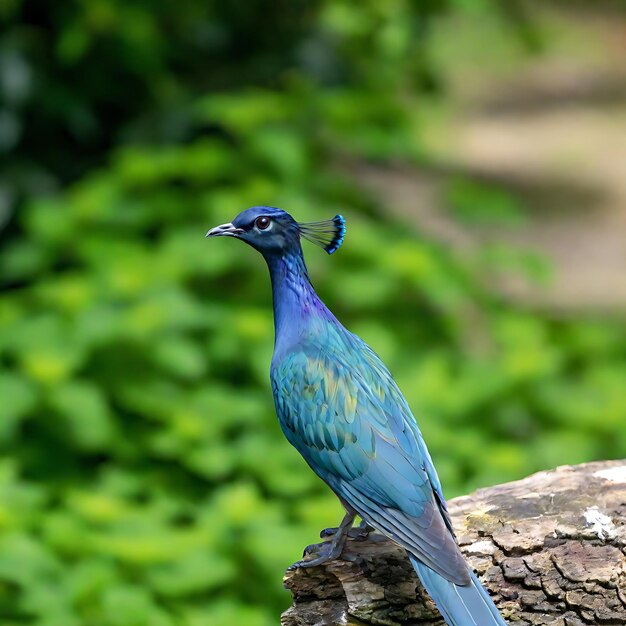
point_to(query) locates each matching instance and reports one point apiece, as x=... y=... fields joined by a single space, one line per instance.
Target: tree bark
x=550 y=549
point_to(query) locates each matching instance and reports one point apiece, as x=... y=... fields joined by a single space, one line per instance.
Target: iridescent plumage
x=340 y=408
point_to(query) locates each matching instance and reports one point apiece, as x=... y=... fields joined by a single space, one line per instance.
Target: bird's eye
x=262 y=222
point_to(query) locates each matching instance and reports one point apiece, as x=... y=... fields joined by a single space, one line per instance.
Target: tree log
x=550 y=549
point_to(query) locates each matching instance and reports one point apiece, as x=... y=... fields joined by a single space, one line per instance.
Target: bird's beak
x=227 y=230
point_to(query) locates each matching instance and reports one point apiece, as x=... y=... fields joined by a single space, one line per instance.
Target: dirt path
x=553 y=132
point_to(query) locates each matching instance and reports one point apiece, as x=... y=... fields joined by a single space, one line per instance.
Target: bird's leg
x=358 y=533
x=331 y=549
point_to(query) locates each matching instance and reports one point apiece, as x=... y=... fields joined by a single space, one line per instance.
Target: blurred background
x=477 y=150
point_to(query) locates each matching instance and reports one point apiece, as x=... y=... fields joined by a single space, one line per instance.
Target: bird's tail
x=467 y=605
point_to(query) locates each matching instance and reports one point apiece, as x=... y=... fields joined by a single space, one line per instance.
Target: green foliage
x=144 y=479
x=482 y=203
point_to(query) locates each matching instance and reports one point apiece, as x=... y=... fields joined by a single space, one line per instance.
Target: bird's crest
x=328 y=234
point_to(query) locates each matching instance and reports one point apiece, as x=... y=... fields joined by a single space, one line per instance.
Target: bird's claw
x=327 y=552
x=330 y=550
x=311 y=548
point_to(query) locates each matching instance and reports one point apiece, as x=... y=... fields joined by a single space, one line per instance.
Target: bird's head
x=273 y=231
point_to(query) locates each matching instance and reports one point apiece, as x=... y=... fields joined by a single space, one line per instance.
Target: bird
x=339 y=406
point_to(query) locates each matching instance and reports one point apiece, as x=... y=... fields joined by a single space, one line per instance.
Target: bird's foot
x=358 y=533
x=361 y=532
x=329 y=550
x=327 y=532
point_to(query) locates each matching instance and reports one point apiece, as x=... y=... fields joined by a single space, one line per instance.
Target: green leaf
x=88 y=421
x=18 y=399
x=196 y=573
x=180 y=356
x=128 y=605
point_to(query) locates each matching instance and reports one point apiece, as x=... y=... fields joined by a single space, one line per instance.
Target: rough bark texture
x=550 y=549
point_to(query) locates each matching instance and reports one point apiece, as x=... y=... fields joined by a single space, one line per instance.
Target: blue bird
x=340 y=408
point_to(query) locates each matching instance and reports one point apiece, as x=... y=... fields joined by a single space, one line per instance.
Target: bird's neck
x=296 y=305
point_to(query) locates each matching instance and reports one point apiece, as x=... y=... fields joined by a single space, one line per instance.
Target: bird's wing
x=339 y=406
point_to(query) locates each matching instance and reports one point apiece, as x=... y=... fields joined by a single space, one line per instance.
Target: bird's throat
x=296 y=305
